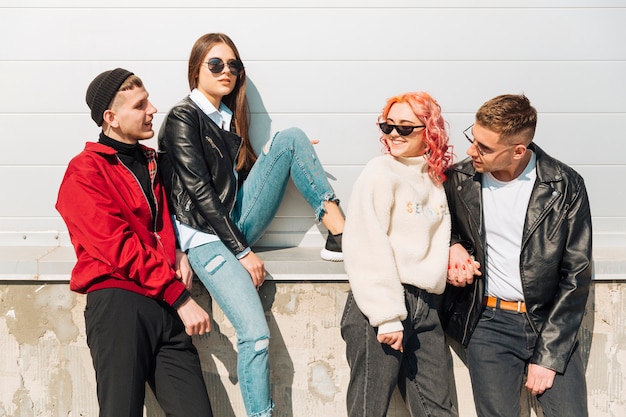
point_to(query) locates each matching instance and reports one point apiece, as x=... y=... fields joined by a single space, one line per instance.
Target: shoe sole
x=331 y=256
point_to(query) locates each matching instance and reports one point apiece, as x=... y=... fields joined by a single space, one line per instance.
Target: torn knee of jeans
x=261 y=344
x=214 y=264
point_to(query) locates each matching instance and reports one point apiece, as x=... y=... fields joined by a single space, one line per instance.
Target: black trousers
x=133 y=340
x=420 y=372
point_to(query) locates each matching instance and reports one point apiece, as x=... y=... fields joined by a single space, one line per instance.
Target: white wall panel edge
x=315 y=3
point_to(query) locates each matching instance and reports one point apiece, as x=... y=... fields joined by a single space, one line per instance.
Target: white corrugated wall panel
x=326 y=66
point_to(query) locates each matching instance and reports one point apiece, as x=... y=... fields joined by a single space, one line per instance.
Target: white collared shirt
x=222 y=116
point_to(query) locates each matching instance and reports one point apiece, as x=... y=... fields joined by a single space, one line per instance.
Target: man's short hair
x=510 y=115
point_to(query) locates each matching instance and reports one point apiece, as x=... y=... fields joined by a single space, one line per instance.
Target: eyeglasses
x=216 y=66
x=480 y=148
x=402 y=130
x=470 y=137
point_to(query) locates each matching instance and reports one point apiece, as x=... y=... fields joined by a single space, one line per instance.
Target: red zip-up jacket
x=118 y=243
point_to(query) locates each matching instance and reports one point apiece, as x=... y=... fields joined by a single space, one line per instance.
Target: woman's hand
x=255 y=267
x=461 y=267
x=393 y=339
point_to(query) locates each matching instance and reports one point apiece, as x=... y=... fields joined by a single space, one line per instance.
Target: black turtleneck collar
x=133 y=158
x=120 y=147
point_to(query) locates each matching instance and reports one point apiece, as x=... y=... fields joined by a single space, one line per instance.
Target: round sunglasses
x=216 y=66
x=402 y=130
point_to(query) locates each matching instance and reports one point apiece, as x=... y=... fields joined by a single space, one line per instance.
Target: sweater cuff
x=390 y=327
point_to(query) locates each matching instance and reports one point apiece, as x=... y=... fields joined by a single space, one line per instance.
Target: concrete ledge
x=609 y=263
x=49 y=263
x=36 y=262
x=302 y=263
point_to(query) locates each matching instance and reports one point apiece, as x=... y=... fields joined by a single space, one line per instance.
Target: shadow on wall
x=282 y=368
x=281 y=233
x=218 y=357
x=260 y=121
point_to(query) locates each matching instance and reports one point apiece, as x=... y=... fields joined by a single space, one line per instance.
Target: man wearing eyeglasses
x=523 y=218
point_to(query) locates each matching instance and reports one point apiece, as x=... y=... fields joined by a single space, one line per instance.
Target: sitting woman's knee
x=291 y=137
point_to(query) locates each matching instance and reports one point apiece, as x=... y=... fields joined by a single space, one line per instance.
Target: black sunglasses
x=216 y=65
x=402 y=130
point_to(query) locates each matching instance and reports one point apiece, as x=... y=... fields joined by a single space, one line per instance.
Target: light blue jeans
x=288 y=154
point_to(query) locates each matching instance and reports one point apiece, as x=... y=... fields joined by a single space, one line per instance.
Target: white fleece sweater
x=397 y=232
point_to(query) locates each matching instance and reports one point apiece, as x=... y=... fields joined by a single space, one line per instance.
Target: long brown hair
x=235 y=101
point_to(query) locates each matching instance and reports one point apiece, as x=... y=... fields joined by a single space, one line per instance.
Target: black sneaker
x=332 y=251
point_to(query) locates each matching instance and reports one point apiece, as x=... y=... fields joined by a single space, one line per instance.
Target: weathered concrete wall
x=45 y=365
x=606 y=369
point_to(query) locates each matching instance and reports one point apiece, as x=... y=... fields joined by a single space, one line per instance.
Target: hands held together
x=461 y=267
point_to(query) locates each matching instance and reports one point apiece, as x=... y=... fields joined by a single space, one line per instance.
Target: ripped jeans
x=232 y=289
x=288 y=154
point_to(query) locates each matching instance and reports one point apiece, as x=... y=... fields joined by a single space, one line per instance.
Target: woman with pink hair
x=395 y=246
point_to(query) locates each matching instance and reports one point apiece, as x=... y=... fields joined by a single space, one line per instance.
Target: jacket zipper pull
x=214 y=146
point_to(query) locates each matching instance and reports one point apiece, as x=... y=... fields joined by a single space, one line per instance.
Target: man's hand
x=195 y=319
x=539 y=379
x=183 y=269
x=393 y=339
x=461 y=267
x=255 y=267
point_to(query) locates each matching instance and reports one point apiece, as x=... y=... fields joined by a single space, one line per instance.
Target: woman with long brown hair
x=223 y=198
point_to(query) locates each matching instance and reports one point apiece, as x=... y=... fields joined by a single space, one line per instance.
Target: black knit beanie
x=102 y=90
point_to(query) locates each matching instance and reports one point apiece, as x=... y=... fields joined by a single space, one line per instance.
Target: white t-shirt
x=504 y=207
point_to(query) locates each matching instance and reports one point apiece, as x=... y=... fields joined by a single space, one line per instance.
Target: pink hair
x=428 y=111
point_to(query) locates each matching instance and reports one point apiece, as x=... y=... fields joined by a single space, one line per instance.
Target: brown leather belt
x=493 y=302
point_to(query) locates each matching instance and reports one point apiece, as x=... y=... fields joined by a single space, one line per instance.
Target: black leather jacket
x=555 y=259
x=197 y=160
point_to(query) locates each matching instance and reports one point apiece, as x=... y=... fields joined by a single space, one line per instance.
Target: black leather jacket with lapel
x=197 y=161
x=555 y=259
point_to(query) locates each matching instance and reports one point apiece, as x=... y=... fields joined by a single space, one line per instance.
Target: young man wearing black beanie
x=139 y=316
